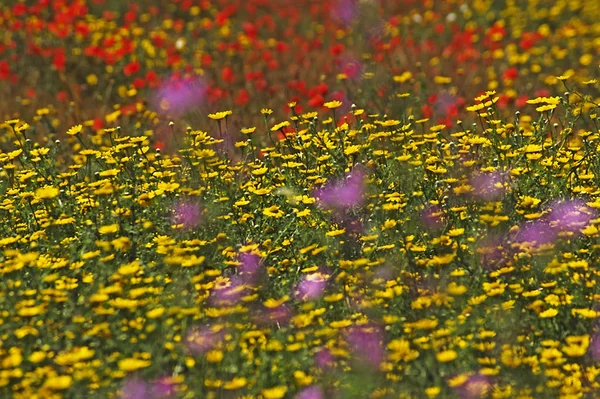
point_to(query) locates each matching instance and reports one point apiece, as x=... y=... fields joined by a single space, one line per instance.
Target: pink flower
x=188 y=213
x=163 y=388
x=488 y=186
x=178 y=95
x=324 y=358
x=345 y=11
x=135 y=388
x=476 y=387
x=199 y=340
x=570 y=216
x=311 y=286
x=343 y=194
x=432 y=217
x=366 y=343
x=312 y=392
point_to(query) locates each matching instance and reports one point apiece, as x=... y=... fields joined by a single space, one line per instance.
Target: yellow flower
x=274 y=393
x=236 y=383
x=272 y=303
x=214 y=356
x=333 y=104
x=37 y=357
x=442 y=79
x=547 y=314
x=91 y=79
x=544 y=108
x=432 y=392
x=403 y=77
x=302 y=379
x=30 y=312
x=130 y=364
x=266 y=111
x=456 y=232
x=129 y=268
x=446 y=356
x=273 y=211
x=46 y=192
x=248 y=130
x=155 y=313
x=109 y=229
x=280 y=126
x=59 y=383
x=74 y=130
x=217 y=116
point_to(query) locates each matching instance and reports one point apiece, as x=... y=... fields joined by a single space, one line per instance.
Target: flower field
x=299 y=199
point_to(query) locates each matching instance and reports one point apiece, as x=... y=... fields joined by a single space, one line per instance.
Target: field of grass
x=299 y=199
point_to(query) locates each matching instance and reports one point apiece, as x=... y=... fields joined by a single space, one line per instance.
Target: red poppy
x=4 y=70
x=511 y=74
x=227 y=74
x=316 y=101
x=131 y=68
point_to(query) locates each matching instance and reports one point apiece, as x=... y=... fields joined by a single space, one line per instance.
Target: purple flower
x=343 y=194
x=277 y=315
x=178 y=95
x=432 y=217
x=492 y=252
x=231 y=294
x=570 y=216
x=444 y=104
x=488 y=186
x=476 y=387
x=366 y=343
x=324 y=358
x=250 y=264
x=188 y=213
x=135 y=388
x=353 y=69
x=594 y=348
x=163 y=388
x=565 y=216
x=312 y=392
x=202 y=339
x=345 y=11
x=537 y=232
x=311 y=286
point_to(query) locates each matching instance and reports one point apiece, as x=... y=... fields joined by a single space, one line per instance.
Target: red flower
x=131 y=68
x=4 y=70
x=59 y=59
x=242 y=98
x=336 y=49
x=427 y=111
x=511 y=74
x=62 y=96
x=521 y=101
x=227 y=75
x=316 y=101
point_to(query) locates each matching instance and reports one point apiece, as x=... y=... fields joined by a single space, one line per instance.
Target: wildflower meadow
x=308 y=199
